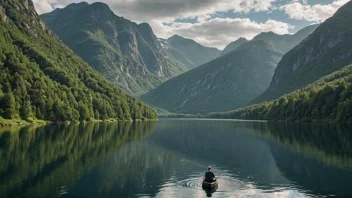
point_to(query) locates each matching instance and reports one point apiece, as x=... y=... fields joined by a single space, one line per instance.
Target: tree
x=10 y=106
x=84 y=113
x=26 y=110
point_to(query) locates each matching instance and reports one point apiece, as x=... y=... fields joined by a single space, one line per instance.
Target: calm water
x=168 y=159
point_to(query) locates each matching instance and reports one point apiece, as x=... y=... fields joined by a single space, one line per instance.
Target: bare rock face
x=30 y=20
x=28 y=4
x=3 y=16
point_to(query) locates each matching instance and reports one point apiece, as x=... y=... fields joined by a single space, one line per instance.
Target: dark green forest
x=327 y=100
x=40 y=78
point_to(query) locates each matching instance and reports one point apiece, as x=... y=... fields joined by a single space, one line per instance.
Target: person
x=209 y=176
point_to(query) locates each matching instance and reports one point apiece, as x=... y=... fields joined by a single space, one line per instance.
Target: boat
x=210 y=185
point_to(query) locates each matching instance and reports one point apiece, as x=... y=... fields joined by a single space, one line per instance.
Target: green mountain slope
x=127 y=54
x=234 y=45
x=225 y=83
x=328 y=49
x=329 y=99
x=41 y=78
x=189 y=52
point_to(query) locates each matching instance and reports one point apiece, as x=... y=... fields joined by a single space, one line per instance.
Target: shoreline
x=10 y=123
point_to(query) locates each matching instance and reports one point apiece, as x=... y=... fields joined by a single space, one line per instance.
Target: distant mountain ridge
x=234 y=45
x=189 y=52
x=286 y=42
x=225 y=83
x=283 y=42
x=126 y=53
x=328 y=49
x=208 y=88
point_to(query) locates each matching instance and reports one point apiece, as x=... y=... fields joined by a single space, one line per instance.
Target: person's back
x=209 y=176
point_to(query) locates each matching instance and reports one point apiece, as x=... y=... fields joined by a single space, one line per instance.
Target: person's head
x=209 y=168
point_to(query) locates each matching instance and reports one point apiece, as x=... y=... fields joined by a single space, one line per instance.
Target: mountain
x=225 y=83
x=283 y=42
x=301 y=35
x=328 y=100
x=286 y=42
x=234 y=45
x=278 y=40
x=41 y=78
x=127 y=54
x=328 y=49
x=189 y=52
x=175 y=53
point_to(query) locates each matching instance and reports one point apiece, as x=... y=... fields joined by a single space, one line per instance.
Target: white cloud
x=218 y=32
x=157 y=9
x=207 y=30
x=42 y=6
x=314 y=13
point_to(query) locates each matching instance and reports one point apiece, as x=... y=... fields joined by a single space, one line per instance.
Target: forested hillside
x=329 y=99
x=325 y=51
x=127 y=54
x=40 y=78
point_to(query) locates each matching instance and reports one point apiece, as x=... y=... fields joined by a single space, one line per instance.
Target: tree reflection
x=38 y=161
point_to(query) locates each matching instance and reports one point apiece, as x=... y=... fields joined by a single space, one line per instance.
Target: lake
x=168 y=158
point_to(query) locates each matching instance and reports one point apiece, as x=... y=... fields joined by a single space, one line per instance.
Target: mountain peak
x=270 y=36
x=73 y=7
x=145 y=27
x=100 y=5
x=127 y=54
x=77 y=5
x=177 y=37
x=234 y=45
x=242 y=39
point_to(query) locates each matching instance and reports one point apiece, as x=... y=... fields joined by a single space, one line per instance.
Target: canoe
x=210 y=185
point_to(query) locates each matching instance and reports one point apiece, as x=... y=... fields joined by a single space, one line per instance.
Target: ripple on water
x=226 y=184
x=63 y=190
x=194 y=183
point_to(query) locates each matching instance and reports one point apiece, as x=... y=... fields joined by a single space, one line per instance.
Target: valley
x=119 y=61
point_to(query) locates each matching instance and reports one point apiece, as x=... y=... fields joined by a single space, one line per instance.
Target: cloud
x=42 y=6
x=156 y=9
x=313 y=13
x=206 y=30
x=218 y=32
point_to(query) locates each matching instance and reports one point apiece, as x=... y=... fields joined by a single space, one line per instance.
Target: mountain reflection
x=321 y=160
x=329 y=143
x=169 y=158
x=42 y=161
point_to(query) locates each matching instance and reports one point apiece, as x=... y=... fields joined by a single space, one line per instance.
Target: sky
x=215 y=23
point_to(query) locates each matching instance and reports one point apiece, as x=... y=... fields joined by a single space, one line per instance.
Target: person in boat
x=209 y=176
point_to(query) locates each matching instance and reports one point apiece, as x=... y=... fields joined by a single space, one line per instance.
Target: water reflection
x=253 y=159
x=329 y=143
x=322 y=157
x=46 y=161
